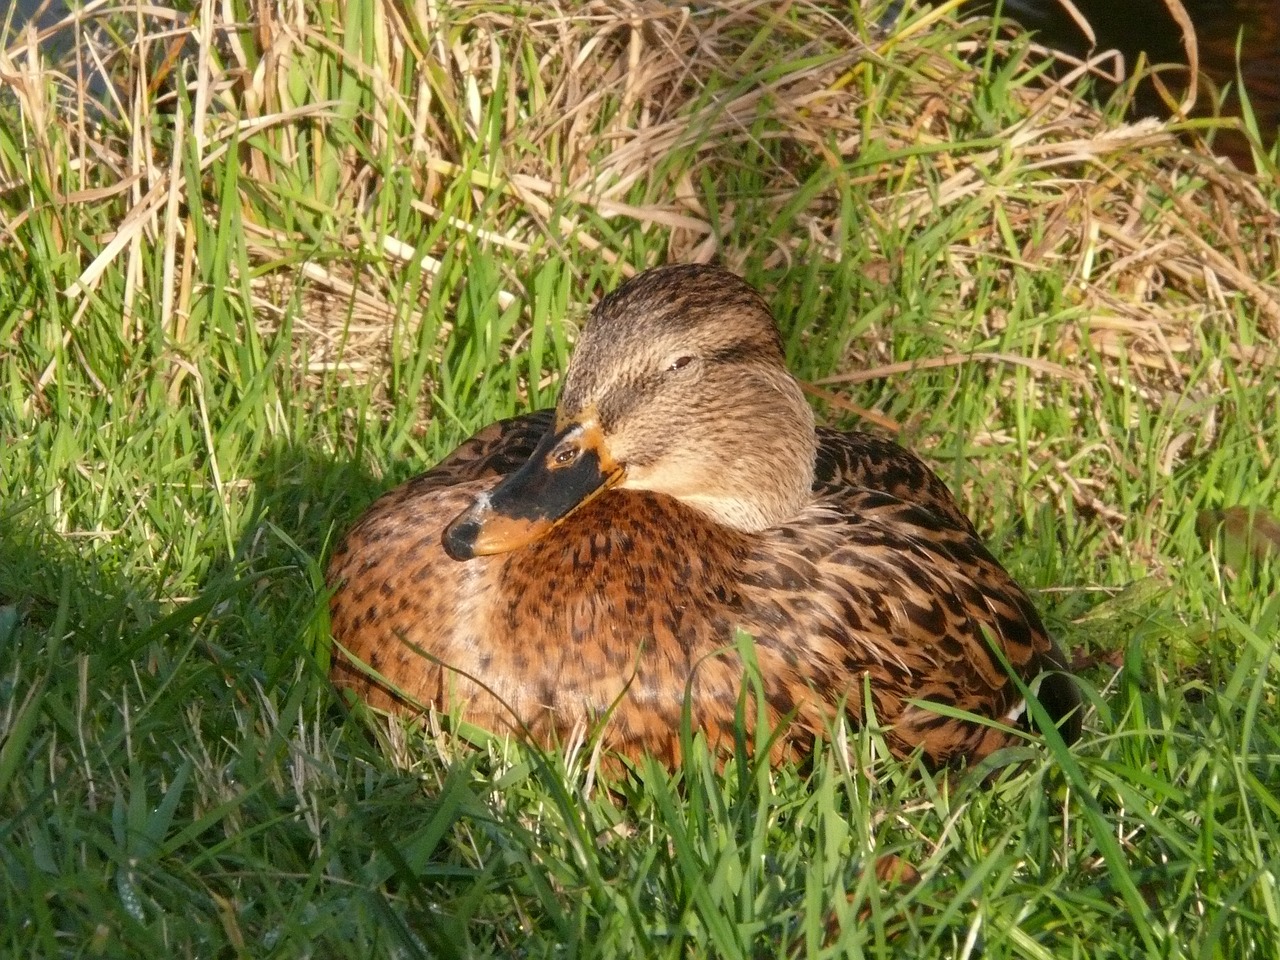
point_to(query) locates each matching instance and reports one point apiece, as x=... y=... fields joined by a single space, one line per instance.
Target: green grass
x=181 y=443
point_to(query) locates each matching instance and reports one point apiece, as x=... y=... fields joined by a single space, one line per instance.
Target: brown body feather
x=621 y=601
x=631 y=604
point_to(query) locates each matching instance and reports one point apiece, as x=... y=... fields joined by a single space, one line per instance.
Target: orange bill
x=568 y=468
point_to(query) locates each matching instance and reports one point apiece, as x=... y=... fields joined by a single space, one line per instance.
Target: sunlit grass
x=249 y=288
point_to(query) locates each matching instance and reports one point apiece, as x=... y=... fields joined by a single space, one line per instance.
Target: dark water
x=1137 y=27
x=44 y=14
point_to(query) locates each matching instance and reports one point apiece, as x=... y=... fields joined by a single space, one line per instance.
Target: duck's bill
x=568 y=468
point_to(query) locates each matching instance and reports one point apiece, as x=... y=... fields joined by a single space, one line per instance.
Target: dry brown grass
x=631 y=100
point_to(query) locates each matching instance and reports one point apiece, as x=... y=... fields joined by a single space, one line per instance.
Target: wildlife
x=588 y=569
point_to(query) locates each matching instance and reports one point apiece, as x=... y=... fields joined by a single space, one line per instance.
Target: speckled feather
x=865 y=582
x=632 y=602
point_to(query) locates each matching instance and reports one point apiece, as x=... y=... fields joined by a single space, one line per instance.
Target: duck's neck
x=750 y=467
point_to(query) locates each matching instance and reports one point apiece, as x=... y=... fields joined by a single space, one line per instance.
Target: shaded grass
x=343 y=253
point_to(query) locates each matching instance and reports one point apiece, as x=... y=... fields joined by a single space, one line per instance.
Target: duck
x=593 y=568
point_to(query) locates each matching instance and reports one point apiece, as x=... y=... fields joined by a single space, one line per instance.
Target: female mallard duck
x=592 y=564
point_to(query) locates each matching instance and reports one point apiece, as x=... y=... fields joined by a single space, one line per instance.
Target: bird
x=595 y=567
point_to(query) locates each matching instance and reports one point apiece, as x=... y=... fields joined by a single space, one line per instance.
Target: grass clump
x=255 y=270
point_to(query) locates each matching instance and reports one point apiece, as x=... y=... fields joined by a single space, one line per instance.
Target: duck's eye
x=565 y=456
x=679 y=363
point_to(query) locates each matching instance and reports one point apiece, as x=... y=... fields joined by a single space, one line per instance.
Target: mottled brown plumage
x=610 y=549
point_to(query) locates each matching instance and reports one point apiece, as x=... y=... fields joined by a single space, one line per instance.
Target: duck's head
x=678 y=385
